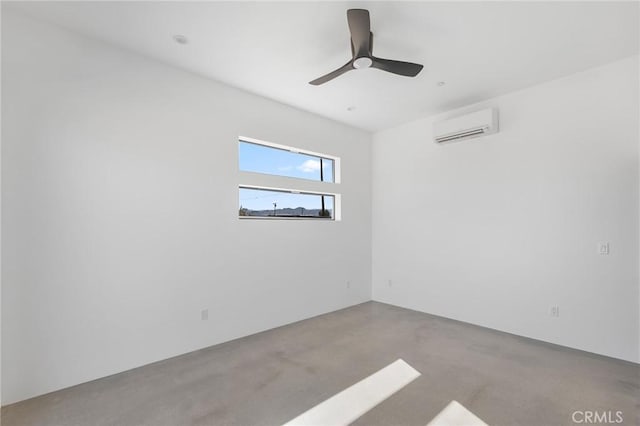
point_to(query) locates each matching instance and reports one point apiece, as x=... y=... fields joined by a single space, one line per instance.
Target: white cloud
x=309 y=166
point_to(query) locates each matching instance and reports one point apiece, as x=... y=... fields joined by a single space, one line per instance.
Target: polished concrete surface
x=272 y=377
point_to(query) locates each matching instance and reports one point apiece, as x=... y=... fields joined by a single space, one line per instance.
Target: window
x=308 y=190
x=258 y=202
x=259 y=158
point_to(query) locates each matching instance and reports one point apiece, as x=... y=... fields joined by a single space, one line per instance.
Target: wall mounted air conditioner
x=473 y=125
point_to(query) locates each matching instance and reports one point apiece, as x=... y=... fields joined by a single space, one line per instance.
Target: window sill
x=314 y=218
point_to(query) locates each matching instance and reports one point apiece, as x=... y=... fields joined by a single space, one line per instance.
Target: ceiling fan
x=361 y=48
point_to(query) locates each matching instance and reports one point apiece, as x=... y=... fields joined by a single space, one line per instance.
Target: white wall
x=119 y=183
x=494 y=231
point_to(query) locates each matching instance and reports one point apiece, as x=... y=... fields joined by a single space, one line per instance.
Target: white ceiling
x=480 y=49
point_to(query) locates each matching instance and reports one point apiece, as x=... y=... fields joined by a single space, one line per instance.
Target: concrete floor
x=271 y=377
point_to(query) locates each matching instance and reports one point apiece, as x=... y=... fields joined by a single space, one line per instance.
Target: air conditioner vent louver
x=468 y=126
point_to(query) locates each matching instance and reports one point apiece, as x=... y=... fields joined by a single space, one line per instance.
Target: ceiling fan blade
x=360 y=27
x=333 y=74
x=407 y=69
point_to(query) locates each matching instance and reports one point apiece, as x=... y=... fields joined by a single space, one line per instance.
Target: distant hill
x=297 y=212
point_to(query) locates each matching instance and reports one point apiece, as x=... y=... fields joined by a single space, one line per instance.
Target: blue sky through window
x=275 y=161
x=260 y=199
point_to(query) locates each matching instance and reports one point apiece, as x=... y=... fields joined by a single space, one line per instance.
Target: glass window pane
x=268 y=203
x=275 y=161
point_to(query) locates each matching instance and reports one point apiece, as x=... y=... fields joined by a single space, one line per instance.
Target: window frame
x=290 y=184
x=293 y=150
x=293 y=191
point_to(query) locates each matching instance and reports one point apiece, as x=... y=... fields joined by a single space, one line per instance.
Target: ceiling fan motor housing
x=362 y=62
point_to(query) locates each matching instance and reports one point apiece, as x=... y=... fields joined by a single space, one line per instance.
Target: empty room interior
x=320 y=213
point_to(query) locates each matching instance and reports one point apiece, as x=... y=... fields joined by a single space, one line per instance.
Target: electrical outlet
x=390 y=283
x=555 y=311
x=204 y=314
x=603 y=249
x=348 y=284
